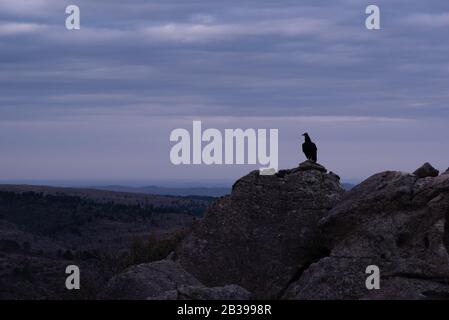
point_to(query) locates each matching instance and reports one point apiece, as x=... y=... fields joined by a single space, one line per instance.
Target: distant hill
x=196 y=191
x=101 y=195
x=43 y=229
x=347 y=186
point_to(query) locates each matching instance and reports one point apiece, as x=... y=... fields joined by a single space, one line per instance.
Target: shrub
x=153 y=249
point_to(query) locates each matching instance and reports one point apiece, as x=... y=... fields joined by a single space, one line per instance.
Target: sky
x=99 y=103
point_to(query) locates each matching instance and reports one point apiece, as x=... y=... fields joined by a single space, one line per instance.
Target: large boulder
x=393 y=220
x=165 y=280
x=262 y=235
x=148 y=280
x=426 y=170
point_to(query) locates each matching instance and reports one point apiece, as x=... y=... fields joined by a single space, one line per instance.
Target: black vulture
x=309 y=148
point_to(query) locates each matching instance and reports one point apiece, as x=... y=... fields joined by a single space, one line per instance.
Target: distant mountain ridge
x=156 y=190
x=348 y=186
x=169 y=191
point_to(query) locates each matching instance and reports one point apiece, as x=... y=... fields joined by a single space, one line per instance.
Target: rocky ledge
x=299 y=235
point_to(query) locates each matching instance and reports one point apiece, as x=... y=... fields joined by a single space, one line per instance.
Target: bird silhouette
x=309 y=148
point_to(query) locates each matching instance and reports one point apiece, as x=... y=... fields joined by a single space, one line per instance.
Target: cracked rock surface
x=394 y=220
x=299 y=235
x=166 y=280
x=148 y=280
x=263 y=234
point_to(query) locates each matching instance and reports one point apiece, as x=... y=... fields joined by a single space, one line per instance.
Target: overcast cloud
x=99 y=103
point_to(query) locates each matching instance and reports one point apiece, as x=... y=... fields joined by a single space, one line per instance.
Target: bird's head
x=305 y=134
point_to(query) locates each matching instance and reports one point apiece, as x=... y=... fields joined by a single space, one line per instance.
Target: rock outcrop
x=393 y=220
x=265 y=233
x=148 y=280
x=298 y=235
x=166 y=280
x=426 y=170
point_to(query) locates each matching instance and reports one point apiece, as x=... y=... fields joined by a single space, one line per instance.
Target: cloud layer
x=273 y=64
